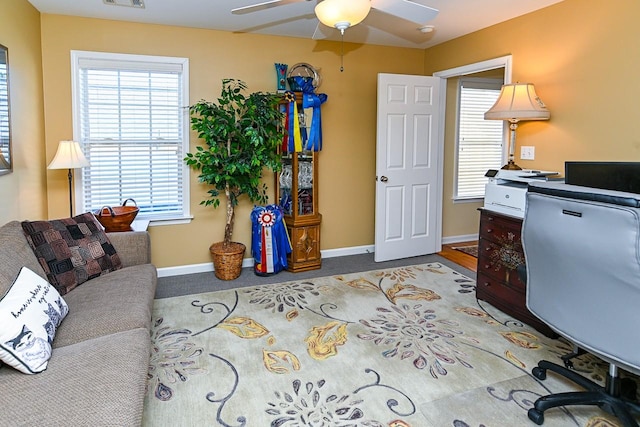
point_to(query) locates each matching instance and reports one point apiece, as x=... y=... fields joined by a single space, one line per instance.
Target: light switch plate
x=527 y=153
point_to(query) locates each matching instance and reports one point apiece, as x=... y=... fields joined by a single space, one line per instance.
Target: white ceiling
x=456 y=18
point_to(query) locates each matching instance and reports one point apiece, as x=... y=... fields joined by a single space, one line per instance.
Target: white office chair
x=582 y=252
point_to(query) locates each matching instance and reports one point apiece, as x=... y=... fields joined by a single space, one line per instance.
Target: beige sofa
x=98 y=368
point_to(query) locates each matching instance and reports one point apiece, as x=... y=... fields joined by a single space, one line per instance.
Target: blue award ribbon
x=312 y=100
x=280 y=244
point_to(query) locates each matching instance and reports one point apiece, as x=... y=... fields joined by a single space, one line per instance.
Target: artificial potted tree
x=242 y=133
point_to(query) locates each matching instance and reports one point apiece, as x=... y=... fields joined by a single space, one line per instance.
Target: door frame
x=477 y=67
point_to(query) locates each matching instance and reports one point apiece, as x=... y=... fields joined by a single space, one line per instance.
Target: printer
x=506 y=190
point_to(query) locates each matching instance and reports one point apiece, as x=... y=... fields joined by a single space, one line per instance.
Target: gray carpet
x=206 y=282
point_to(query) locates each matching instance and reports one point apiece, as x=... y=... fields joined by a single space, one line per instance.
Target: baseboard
x=354 y=250
x=457 y=239
x=207 y=267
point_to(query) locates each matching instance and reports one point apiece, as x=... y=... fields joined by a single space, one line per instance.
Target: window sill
x=155 y=222
x=469 y=200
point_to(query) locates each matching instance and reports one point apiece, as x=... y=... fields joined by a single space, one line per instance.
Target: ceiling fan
x=333 y=12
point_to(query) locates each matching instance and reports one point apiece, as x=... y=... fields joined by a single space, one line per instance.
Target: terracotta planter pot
x=227 y=260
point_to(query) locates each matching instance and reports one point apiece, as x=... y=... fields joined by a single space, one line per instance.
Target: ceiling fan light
x=342 y=14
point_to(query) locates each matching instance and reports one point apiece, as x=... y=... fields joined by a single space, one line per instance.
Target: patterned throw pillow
x=30 y=313
x=71 y=250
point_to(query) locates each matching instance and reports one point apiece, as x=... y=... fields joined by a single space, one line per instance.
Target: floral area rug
x=402 y=347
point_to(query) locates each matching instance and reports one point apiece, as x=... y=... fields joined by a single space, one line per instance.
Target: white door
x=408 y=167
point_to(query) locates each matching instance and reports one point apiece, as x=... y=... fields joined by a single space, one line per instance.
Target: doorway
x=460 y=215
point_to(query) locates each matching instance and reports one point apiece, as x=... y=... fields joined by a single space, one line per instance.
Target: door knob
x=384 y=179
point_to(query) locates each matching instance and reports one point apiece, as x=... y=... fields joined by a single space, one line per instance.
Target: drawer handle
x=487 y=266
x=489 y=230
x=487 y=284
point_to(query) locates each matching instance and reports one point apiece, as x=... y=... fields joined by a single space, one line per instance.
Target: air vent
x=129 y=3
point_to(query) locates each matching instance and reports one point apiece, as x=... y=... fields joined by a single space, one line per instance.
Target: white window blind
x=480 y=141
x=131 y=122
x=4 y=111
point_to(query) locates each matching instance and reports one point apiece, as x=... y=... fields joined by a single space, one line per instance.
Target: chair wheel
x=536 y=416
x=539 y=373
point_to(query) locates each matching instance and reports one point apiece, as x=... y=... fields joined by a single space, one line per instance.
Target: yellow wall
x=346 y=164
x=583 y=57
x=22 y=193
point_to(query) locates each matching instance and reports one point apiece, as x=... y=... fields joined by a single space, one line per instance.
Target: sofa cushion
x=30 y=313
x=71 y=250
x=100 y=382
x=111 y=303
x=15 y=253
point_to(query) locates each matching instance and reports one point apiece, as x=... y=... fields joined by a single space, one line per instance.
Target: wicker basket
x=227 y=260
x=117 y=218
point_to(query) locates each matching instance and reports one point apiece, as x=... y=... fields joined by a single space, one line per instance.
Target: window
x=5 y=136
x=480 y=141
x=131 y=120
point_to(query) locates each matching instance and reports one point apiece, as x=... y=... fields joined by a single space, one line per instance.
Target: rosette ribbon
x=269 y=240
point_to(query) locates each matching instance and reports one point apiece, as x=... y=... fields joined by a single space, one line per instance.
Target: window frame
x=480 y=81
x=147 y=63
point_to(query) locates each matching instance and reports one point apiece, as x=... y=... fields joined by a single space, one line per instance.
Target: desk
x=499 y=254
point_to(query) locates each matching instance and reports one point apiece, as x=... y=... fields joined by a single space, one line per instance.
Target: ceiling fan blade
x=406 y=10
x=321 y=32
x=261 y=6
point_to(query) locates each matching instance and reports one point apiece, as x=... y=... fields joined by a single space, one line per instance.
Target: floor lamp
x=517 y=102
x=69 y=156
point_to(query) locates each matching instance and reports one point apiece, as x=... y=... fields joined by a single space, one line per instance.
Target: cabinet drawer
x=500 y=260
x=499 y=228
x=500 y=295
x=510 y=302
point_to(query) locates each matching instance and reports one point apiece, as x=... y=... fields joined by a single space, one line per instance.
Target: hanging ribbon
x=312 y=100
x=293 y=125
x=297 y=136
x=285 y=138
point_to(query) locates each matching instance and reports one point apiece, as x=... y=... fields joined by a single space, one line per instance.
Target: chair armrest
x=133 y=247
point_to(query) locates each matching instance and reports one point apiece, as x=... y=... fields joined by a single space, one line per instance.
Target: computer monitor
x=619 y=176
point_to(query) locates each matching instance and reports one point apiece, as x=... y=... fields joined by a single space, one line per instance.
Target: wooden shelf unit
x=296 y=191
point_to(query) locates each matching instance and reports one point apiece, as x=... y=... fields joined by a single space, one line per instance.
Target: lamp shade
x=517 y=102
x=68 y=156
x=342 y=14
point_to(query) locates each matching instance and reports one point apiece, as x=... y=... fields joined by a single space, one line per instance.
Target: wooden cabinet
x=499 y=254
x=297 y=194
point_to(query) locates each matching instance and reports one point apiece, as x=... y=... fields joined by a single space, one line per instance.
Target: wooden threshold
x=465 y=260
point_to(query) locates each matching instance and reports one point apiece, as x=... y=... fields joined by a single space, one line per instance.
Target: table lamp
x=517 y=102
x=69 y=156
